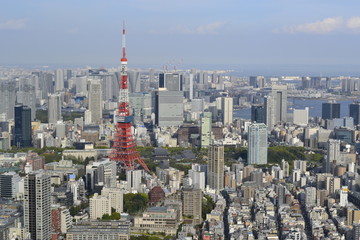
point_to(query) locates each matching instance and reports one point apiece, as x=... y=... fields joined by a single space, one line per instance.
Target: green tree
x=115 y=216
x=207 y=205
x=106 y=217
x=135 y=202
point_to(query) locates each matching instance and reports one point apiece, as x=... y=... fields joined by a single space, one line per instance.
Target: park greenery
x=232 y=155
x=114 y=216
x=207 y=205
x=42 y=115
x=135 y=203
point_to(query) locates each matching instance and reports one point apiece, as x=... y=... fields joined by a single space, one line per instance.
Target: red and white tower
x=124 y=148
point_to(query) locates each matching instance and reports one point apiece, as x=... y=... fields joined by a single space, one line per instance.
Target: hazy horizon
x=183 y=32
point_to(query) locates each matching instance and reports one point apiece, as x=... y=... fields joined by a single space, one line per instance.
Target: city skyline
x=180 y=33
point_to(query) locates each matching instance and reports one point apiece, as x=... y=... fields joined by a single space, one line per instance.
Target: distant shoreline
x=342 y=98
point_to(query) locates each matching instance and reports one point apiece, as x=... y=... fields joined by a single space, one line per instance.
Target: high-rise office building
x=46 y=84
x=198 y=179
x=227 y=110
x=141 y=106
x=301 y=116
x=95 y=100
x=330 y=110
x=133 y=178
x=257 y=143
x=191 y=86
x=134 y=81
x=22 y=130
x=258 y=114
x=216 y=166
x=328 y=83
x=171 y=81
x=99 y=205
x=54 y=108
x=257 y=81
x=37 y=212
x=310 y=196
x=27 y=96
x=269 y=112
x=7 y=98
x=115 y=196
x=169 y=108
x=206 y=129
x=9 y=185
x=344 y=196
x=333 y=155
x=59 y=80
x=192 y=203
x=356 y=231
x=279 y=94
x=354 y=112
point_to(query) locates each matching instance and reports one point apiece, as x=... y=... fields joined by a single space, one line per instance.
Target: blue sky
x=180 y=32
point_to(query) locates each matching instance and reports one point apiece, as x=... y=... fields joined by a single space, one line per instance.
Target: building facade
x=216 y=167
x=37 y=212
x=257 y=143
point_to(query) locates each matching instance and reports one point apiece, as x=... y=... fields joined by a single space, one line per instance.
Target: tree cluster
x=135 y=202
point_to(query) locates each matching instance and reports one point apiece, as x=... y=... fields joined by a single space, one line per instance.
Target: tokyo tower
x=124 y=148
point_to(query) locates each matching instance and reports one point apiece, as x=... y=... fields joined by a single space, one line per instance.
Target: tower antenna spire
x=123 y=42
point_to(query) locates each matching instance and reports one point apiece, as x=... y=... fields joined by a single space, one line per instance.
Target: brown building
x=156 y=194
x=340 y=170
x=246 y=174
x=322 y=195
x=353 y=216
x=55 y=223
x=184 y=134
x=37 y=162
x=192 y=203
x=90 y=136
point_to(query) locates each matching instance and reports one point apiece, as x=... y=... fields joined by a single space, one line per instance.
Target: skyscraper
x=344 y=196
x=279 y=94
x=333 y=155
x=54 y=108
x=27 y=96
x=22 y=130
x=258 y=114
x=330 y=110
x=257 y=81
x=310 y=196
x=59 y=80
x=134 y=81
x=37 y=213
x=95 y=100
x=257 y=143
x=216 y=167
x=269 y=112
x=171 y=81
x=7 y=99
x=192 y=203
x=354 y=112
x=133 y=178
x=227 y=110
x=9 y=184
x=206 y=121
x=301 y=116
x=169 y=108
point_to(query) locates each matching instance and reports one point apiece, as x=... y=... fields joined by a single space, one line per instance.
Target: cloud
x=211 y=28
x=14 y=24
x=353 y=22
x=326 y=25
